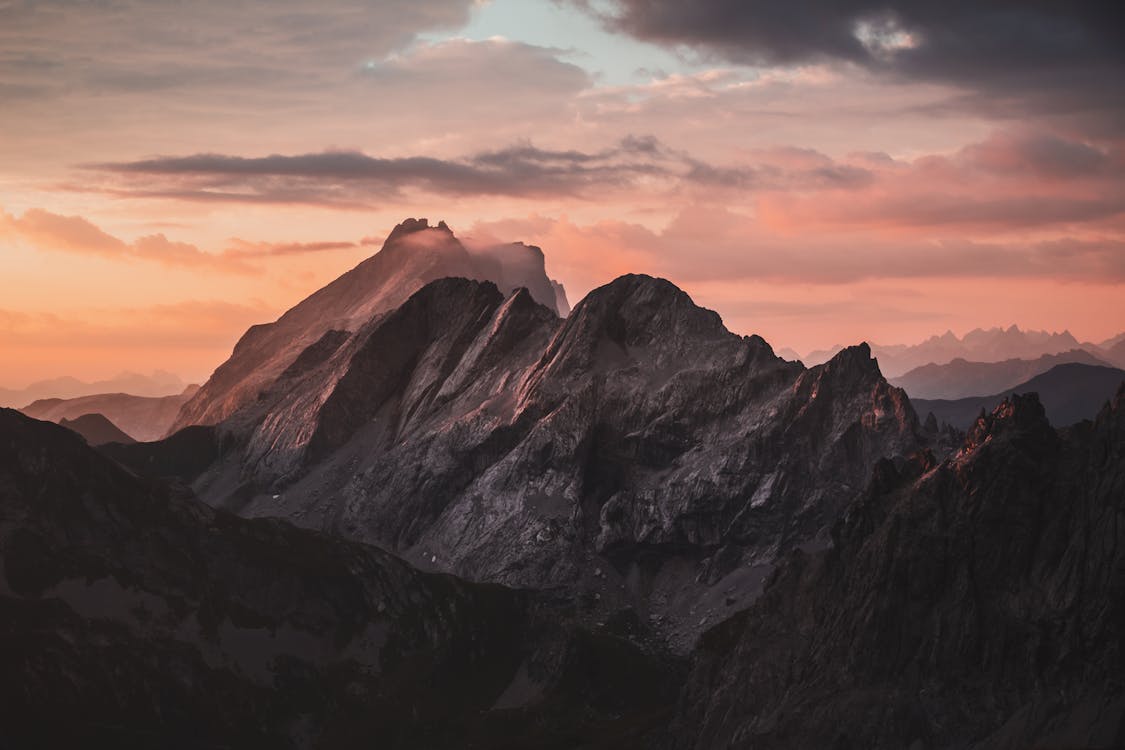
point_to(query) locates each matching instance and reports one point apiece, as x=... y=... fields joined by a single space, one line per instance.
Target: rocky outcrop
x=132 y=617
x=413 y=255
x=637 y=453
x=977 y=602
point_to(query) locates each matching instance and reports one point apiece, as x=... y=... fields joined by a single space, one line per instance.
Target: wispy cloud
x=53 y=232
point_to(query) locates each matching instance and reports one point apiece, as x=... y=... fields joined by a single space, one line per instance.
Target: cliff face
x=973 y=603
x=132 y=617
x=413 y=255
x=637 y=452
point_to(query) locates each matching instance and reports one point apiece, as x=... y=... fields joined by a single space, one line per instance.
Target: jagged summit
x=410 y=226
x=855 y=358
x=636 y=309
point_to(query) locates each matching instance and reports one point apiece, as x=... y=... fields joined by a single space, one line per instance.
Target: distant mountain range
x=1069 y=393
x=142 y=417
x=980 y=345
x=159 y=383
x=963 y=379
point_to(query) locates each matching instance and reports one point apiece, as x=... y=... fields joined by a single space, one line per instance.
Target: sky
x=817 y=171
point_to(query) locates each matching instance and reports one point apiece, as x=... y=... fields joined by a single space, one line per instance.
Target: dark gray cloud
x=352 y=178
x=1052 y=55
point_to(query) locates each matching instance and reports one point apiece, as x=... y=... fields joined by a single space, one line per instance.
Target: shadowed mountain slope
x=976 y=603
x=132 y=617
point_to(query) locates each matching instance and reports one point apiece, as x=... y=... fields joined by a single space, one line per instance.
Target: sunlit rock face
x=413 y=255
x=636 y=452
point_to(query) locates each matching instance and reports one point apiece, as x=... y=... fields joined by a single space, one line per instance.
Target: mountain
x=95 y=429
x=1069 y=392
x=961 y=378
x=135 y=617
x=159 y=383
x=636 y=452
x=413 y=255
x=975 y=602
x=1113 y=341
x=978 y=345
x=1115 y=353
x=144 y=417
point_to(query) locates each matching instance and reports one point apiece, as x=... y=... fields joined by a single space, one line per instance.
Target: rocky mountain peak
x=854 y=358
x=410 y=226
x=851 y=367
x=640 y=325
x=636 y=309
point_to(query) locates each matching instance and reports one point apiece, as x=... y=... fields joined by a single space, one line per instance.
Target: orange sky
x=168 y=181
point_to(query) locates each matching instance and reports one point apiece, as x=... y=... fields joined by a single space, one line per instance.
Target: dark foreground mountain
x=413 y=255
x=134 y=618
x=1069 y=393
x=963 y=379
x=977 y=603
x=143 y=417
x=95 y=429
x=637 y=453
